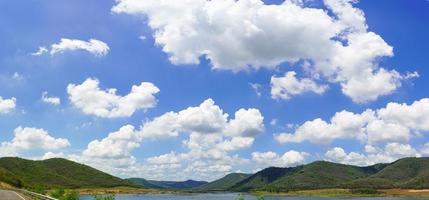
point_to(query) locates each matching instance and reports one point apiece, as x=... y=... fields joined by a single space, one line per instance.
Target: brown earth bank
x=352 y=193
x=124 y=190
x=311 y=193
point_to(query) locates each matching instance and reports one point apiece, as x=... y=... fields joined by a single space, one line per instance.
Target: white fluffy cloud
x=212 y=140
x=287 y=86
x=116 y=145
x=390 y=153
x=272 y=159
x=92 y=100
x=249 y=34
x=50 y=99
x=7 y=105
x=207 y=118
x=414 y=116
x=344 y=125
x=395 y=123
x=425 y=150
x=28 y=138
x=93 y=46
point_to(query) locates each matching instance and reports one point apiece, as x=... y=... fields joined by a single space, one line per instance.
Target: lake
x=227 y=196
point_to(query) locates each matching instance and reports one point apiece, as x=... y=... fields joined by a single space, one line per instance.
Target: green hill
x=166 y=184
x=263 y=178
x=54 y=173
x=403 y=173
x=316 y=175
x=321 y=174
x=224 y=183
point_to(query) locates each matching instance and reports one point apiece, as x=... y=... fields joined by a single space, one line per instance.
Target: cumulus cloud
x=394 y=123
x=207 y=118
x=212 y=140
x=249 y=34
x=92 y=100
x=118 y=144
x=7 y=105
x=287 y=86
x=50 y=99
x=28 y=138
x=93 y=46
x=390 y=153
x=272 y=159
x=425 y=150
x=49 y=155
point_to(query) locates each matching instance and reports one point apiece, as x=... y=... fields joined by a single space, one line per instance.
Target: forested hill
x=55 y=173
x=404 y=173
x=61 y=173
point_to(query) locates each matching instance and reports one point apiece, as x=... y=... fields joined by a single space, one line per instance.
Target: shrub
x=104 y=197
x=240 y=197
x=62 y=194
x=365 y=191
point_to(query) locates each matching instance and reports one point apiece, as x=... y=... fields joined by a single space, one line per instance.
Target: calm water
x=229 y=196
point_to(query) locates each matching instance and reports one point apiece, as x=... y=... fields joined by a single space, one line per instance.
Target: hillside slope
x=322 y=174
x=54 y=173
x=224 y=183
x=316 y=175
x=263 y=178
x=166 y=184
x=403 y=173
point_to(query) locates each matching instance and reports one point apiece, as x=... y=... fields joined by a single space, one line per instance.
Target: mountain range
x=61 y=173
x=166 y=184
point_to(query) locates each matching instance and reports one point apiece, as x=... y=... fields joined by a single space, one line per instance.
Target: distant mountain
x=166 y=184
x=54 y=173
x=224 y=183
x=145 y=183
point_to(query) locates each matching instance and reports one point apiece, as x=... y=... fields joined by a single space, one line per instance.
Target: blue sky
x=318 y=90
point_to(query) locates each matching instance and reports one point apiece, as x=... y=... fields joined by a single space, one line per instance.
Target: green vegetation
x=54 y=173
x=262 y=178
x=319 y=178
x=404 y=173
x=365 y=191
x=319 y=175
x=62 y=194
x=240 y=197
x=166 y=184
x=224 y=183
x=412 y=173
x=104 y=197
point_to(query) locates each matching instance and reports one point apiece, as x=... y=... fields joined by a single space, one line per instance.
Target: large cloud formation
x=92 y=100
x=212 y=140
x=249 y=34
x=394 y=123
x=30 y=138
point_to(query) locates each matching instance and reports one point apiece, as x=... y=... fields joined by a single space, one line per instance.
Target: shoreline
x=301 y=193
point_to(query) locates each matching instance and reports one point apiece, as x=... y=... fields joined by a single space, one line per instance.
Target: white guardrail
x=36 y=195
